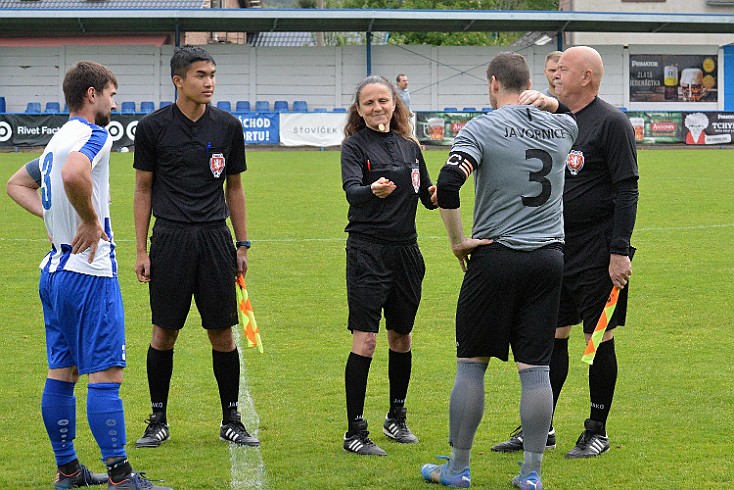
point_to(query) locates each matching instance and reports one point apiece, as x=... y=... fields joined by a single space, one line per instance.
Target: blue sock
x=58 y=408
x=107 y=419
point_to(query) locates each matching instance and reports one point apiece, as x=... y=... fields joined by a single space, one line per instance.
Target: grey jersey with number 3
x=520 y=152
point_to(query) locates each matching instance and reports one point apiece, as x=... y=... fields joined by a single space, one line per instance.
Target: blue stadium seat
x=450 y=109
x=52 y=108
x=242 y=106
x=280 y=106
x=470 y=109
x=225 y=105
x=127 y=107
x=300 y=106
x=486 y=109
x=33 y=108
x=164 y=103
x=262 y=106
x=339 y=109
x=319 y=109
x=147 y=106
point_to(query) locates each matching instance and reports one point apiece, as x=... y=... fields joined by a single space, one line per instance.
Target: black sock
x=558 y=369
x=119 y=469
x=398 y=369
x=602 y=380
x=355 y=380
x=227 y=372
x=69 y=468
x=160 y=369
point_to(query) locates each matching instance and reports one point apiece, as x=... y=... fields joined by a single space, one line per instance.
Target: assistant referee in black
x=384 y=176
x=184 y=154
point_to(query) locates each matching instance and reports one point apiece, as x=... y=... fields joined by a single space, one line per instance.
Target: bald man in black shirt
x=599 y=210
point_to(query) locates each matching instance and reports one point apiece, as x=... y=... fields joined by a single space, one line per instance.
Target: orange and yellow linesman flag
x=601 y=327
x=247 y=316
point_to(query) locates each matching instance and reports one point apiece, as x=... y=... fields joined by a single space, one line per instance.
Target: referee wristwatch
x=247 y=244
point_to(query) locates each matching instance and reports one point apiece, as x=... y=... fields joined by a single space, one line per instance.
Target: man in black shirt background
x=184 y=153
x=600 y=206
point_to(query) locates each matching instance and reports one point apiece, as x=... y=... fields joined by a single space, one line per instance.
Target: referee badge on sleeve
x=575 y=161
x=415 y=177
x=216 y=164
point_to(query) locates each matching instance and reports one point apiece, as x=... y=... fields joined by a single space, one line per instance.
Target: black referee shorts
x=510 y=298
x=197 y=260
x=381 y=277
x=586 y=282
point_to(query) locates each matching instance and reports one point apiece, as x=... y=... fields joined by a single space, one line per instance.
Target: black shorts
x=586 y=282
x=510 y=298
x=383 y=277
x=192 y=260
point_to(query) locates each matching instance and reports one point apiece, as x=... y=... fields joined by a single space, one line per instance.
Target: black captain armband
x=454 y=173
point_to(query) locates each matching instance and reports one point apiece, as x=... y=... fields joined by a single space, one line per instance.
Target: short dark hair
x=397 y=78
x=511 y=71
x=185 y=56
x=80 y=77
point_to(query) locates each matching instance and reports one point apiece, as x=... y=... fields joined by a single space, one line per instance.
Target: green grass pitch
x=671 y=425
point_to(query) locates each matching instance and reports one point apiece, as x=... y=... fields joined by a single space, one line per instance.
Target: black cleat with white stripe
x=396 y=429
x=515 y=442
x=360 y=443
x=234 y=431
x=592 y=442
x=156 y=433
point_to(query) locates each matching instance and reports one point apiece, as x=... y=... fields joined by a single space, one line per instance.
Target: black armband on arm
x=454 y=173
x=625 y=213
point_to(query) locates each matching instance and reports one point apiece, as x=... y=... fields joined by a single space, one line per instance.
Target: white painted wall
x=445 y=76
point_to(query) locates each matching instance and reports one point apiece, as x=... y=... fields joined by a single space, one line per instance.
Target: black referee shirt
x=190 y=161
x=368 y=155
x=603 y=155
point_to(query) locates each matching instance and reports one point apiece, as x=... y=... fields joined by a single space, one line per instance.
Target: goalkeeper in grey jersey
x=511 y=289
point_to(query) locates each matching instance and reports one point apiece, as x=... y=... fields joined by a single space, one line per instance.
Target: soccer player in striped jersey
x=79 y=289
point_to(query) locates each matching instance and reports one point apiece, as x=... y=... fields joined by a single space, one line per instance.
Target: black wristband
x=247 y=244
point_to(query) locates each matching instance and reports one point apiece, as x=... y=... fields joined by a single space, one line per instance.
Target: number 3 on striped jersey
x=46 y=182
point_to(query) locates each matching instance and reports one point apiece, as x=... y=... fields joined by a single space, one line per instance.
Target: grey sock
x=531 y=462
x=466 y=410
x=536 y=411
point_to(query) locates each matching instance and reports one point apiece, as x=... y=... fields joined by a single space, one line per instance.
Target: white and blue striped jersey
x=62 y=220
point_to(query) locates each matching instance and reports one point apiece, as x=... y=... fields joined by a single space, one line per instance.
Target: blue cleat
x=530 y=481
x=439 y=473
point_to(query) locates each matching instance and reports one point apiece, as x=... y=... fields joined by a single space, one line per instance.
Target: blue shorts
x=85 y=322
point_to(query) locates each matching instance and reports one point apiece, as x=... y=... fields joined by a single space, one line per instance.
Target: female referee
x=383 y=175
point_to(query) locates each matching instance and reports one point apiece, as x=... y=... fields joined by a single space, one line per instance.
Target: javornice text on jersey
x=537 y=133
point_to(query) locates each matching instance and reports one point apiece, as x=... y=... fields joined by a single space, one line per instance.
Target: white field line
x=248 y=468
